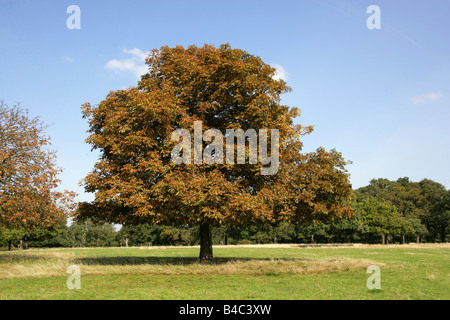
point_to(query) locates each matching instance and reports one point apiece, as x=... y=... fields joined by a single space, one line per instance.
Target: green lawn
x=266 y=272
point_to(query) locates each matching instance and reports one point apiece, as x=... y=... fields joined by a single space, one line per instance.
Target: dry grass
x=36 y=264
x=289 y=266
x=48 y=264
x=233 y=267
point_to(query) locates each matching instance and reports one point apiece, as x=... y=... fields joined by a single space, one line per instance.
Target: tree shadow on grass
x=20 y=257
x=133 y=260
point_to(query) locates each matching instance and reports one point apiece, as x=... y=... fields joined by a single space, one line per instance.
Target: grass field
x=238 y=272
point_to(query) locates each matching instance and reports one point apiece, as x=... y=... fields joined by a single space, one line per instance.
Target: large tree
x=30 y=204
x=137 y=180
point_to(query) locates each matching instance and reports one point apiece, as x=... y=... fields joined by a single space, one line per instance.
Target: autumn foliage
x=29 y=203
x=135 y=180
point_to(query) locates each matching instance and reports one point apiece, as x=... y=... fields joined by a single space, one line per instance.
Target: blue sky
x=381 y=96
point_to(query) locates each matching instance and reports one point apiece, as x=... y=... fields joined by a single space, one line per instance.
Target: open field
x=238 y=272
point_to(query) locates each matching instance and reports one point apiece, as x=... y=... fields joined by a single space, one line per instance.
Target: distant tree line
x=385 y=212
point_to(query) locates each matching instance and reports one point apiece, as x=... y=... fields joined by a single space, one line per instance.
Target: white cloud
x=280 y=72
x=427 y=97
x=137 y=53
x=68 y=59
x=135 y=64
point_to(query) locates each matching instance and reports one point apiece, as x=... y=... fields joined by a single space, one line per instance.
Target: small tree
x=29 y=202
x=414 y=200
x=381 y=218
x=418 y=229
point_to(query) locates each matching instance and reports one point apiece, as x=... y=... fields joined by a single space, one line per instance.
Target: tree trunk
x=206 y=251
x=443 y=234
x=418 y=239
x=9 y=245
x=220 y=236
x=383 y=239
